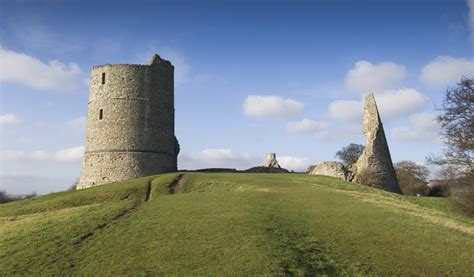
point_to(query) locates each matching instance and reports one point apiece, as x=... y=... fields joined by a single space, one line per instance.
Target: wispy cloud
x=35 y=35
x=273 y=107
x=317 y=128
x=78 y=122
x=346 y=109
x=218 y=157
x=73 y=154
x=9 y=119
x=423 y=127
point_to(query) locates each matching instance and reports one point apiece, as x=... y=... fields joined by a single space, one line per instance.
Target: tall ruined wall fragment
x=376 y=156
x=130 y=123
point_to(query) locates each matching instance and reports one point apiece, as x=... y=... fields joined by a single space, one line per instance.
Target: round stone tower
x=130 y=123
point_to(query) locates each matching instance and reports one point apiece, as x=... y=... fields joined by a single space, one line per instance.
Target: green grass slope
x=234 y=224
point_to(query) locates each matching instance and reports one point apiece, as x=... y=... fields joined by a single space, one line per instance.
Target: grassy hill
x=234 y=224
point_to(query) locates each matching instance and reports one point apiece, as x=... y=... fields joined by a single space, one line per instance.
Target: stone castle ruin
x=376 y=156
x=271 y=166
x=130 y=130
x=272 y=161
x=375 y=159
x=130 y=123
x=333 y=169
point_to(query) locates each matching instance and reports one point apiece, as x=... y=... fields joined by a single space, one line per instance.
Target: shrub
x=5 y=198
x=412 y=178
x=367 y=176
x=310 y=168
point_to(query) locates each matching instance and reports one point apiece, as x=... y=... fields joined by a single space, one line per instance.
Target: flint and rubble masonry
x=130 y=123
x=376 y=155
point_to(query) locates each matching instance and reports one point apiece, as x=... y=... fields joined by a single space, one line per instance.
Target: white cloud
x=294 y=163
x=274 y=107
x=399 y=103
x=445 y=70
x=346 y=109
x=26 y=70
x=391 y=104
x=9 y=119
x=423 y=127
x=73 y=154
x=78 y=122
x=366 y=77
x=305 y=126
x=222 y=158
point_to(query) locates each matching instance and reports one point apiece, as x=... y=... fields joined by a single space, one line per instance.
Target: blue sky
x=251 y=77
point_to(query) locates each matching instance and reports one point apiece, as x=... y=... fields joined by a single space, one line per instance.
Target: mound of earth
x=216 y=170
x=265 y=169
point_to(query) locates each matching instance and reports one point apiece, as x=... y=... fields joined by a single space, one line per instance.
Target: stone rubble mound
x=333 y=169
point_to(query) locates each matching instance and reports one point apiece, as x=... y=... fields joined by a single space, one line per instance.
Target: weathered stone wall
x=272 y=161
x=376 y=156
x=333 y=169
x=130 y=123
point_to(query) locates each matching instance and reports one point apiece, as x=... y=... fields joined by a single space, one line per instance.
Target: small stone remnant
x=333 y=169
x=376 y=156
x=272 y=161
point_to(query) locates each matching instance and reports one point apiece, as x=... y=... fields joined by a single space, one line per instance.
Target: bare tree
x=350 y=153
x=457 y=130
x=412 y=177
x=457 y=127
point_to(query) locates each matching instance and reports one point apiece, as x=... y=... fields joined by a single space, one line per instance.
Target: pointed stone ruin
x=376 y=156
x=272 y=161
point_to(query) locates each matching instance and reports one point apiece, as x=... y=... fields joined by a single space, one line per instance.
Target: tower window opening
x=103 y=78
x=101 y=114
